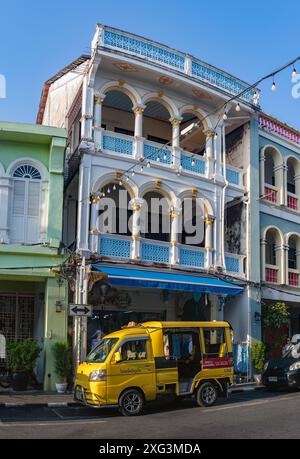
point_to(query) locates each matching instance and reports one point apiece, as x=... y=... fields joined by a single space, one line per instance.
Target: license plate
x=273 y=379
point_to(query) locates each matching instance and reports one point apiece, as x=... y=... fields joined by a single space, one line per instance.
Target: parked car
x=283 y=372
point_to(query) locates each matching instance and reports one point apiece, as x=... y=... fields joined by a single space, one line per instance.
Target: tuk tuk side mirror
x=117 y=357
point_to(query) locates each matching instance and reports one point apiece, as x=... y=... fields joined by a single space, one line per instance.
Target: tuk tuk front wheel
x=131 y=403
x=206 y=394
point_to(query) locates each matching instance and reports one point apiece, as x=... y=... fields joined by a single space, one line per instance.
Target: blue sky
x=247 y=39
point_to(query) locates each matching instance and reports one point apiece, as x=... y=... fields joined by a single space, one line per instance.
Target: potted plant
x=21 y=360
x=258 y=351
x=62 y=365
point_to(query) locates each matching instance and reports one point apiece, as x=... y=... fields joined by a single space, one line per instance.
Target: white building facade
x=125 y=108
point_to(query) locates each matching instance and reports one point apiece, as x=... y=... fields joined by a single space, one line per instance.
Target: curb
x=40 y=405
x=239 y=390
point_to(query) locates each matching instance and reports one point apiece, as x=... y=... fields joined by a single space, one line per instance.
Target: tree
x=275 y=315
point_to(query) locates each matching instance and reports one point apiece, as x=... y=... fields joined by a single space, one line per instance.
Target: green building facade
x=33 y=299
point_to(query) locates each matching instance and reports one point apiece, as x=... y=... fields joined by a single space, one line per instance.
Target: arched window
x=157 y=126
x=115 y=219
x=25 y=205
x=273 y=256
x=158 y=217
x=194 y=142
x=117 y=113
x=273 y=175
x=293 y=186
x=293 y=260
x=193 y=226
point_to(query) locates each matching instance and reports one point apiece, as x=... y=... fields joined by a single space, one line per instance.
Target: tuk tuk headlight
x=295 y=366
x=98 y=375
x=266 y=366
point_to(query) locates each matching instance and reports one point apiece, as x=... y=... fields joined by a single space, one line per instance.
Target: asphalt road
x=256 y=414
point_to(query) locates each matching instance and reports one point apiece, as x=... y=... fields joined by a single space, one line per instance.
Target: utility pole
x=80 y=323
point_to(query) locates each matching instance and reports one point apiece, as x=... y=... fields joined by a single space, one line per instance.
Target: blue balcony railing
x=192 y=257
x=115 y=246
x=163 y=55
x=155 y=252
x=117 y=144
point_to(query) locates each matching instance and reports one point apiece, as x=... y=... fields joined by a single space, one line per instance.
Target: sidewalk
x=245 y=387
x=31 y=399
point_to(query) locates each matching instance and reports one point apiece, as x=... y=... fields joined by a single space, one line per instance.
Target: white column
x=136 y=206
x=283 y=266
x=263 y=259
x=262 y=160
x=280 y=182
x=175 y=220
x=209 y=222
x=94 y=233
x=98 y=104
x=138 y=111
x=218 y=236
x=219 y=176
x=176 y=151
x=5 y=189
x=284 y=183
x=87 y=112
x=209 y=152
x=84 y=203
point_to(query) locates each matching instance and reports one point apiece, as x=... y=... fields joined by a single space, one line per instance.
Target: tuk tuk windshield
x=101 y=352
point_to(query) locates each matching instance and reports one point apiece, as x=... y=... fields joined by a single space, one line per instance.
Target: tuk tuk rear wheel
x=207 y=394
x=131 y=403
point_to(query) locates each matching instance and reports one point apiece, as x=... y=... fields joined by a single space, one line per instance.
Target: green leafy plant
x=258 y=351
x=275 y=315
x=62 y=360
x=22 y=355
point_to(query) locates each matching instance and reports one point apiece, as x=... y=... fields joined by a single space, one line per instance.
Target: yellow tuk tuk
x=138 y=364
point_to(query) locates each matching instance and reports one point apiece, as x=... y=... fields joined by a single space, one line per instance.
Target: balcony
x=270 y=124
x=271 y=193
x=235 y=264
x=234 y=176
x=192 y=257
x=292 y=201
x=126 y=146
x=293 y=277
x=271 y=274
x=117 y=247
x=137 y=47
x=155 y=251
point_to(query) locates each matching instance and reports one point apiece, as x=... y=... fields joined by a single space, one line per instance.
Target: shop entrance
x=17 y=316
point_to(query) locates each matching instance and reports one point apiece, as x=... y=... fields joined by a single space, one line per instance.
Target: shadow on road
x=25 y=415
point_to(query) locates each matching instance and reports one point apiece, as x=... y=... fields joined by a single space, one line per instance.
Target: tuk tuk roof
x=144 y=328
x=210 y=324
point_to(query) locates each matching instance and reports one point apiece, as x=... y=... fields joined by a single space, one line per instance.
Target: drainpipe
x=223 y=195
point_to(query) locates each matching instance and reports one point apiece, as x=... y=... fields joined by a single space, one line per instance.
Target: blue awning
x=132 y=277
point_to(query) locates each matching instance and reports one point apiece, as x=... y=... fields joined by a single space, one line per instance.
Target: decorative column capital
x=94 y=199
x=209 y=220
x=136 y=204
x=175 y=212
x=99 y=98
x=209 y=133
x=138 y=109
x=175 y=121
